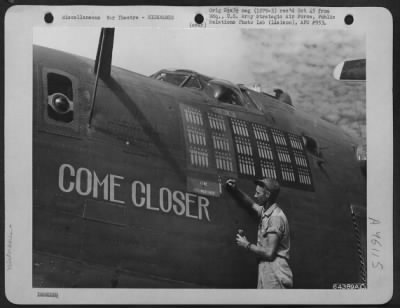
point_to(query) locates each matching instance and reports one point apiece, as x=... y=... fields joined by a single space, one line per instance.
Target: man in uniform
x=273 y=244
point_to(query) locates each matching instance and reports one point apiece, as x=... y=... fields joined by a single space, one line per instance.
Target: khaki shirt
x=276 y=273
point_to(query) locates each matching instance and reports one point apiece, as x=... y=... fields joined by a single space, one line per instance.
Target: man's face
x=261 y=195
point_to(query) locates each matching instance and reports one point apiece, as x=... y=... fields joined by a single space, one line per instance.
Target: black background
x=392 y=5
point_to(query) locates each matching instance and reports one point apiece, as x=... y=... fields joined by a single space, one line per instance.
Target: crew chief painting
x=273 y=243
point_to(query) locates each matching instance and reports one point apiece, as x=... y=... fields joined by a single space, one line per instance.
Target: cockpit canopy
x=221 y=90
x=182 y=78
x=224 y=91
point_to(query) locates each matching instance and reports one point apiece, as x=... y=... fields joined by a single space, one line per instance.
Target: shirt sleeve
x=275 y=225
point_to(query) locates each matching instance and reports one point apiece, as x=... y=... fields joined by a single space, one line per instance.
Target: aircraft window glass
x=60 y=106
x=255 y=97
x=175 y=79
x=248 y=102
x=224 y=91
x=193 y=82
x=229 y=97
x=57 y=83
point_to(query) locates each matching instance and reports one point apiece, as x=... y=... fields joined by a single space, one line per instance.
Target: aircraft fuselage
x=135 y=198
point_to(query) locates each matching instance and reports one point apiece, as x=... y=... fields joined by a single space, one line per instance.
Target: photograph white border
x=19 y=23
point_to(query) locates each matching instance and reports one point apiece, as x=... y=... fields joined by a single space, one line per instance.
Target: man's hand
x=230 y=184
x=241 y=239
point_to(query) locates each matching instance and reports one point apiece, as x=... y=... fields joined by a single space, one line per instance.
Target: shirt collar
x=269 y=211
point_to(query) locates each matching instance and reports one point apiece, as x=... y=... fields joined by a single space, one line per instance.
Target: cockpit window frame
x=186 y=81
x=251 y=103
x=244 y=101
x=188 y=76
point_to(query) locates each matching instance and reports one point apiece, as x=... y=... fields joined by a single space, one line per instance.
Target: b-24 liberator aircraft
x=129 y=176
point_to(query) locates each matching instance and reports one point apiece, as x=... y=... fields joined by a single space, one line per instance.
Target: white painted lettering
x=97 y=183
x=203 y=204
x=61 y=178
x=190 y=198
x=179 y=206
x=168 y=200
x=148 y=199
x=87 y=182
x=84 y=189
x=113 y=184
x=142 y=189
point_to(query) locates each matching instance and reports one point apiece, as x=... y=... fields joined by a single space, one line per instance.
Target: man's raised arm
x=244 y=200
